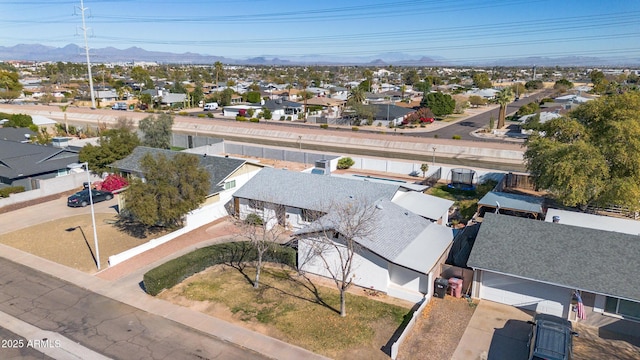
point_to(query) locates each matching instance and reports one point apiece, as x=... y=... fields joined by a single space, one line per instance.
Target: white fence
x=48 y=187
x=395 y=347
x=194 y=220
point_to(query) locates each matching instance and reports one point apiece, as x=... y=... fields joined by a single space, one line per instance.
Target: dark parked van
x=551 y=338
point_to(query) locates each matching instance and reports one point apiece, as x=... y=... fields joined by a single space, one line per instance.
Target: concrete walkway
x=125 y=286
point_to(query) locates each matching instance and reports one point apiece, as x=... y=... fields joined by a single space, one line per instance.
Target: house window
x=307 y=215
x=622 y=307
x=62 y=172
x=229 y=184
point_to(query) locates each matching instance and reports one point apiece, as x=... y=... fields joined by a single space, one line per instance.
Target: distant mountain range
x=74 y=53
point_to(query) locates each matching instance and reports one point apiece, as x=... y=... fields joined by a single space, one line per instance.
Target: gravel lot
x=437 y=332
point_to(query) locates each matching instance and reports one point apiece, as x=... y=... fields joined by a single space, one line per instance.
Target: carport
x=512 y=204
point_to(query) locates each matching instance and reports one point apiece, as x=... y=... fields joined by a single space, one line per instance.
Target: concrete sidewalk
x=126 y=288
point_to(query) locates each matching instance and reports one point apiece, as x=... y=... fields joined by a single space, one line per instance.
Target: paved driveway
x=47 y=211
x=495 y=332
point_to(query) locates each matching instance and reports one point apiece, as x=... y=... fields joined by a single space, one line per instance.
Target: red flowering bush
x=114 y=182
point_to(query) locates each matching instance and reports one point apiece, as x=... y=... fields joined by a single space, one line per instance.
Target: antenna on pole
x=86 y=50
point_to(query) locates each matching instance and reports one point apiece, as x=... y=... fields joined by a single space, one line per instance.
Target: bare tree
x=332 y=242
x=263 y=225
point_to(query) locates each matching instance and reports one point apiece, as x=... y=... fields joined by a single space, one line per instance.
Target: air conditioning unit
x=322 y=167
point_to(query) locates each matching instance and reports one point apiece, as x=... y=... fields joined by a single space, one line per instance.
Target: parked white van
x=210 y=106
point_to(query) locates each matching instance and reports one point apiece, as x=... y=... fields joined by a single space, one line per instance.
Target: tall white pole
x=86 y=50
x=93 y=217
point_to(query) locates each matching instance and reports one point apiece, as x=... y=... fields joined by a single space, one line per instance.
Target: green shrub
x=4 y=192
x=240 y=118
x=289 y=118
x=345 y=163
x=435 y=136
x=253 y=219
x=456 y=137
x=355 y=128
x=324 y=126
x=210 y=115
x=254 y=120
x=200 y=115
x=183 y=113
x=282 y=118
x=174 y=271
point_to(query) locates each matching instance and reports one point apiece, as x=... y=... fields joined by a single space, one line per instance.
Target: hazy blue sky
x=457 y=30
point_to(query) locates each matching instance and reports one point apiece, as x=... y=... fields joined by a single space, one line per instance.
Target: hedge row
x=173 y=272
x=4 y=192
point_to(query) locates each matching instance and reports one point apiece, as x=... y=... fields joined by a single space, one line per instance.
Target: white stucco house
x=400 y=256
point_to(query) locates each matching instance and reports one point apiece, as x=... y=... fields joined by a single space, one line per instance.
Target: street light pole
x=434 y=155
x=93 y=216
x=300 y=149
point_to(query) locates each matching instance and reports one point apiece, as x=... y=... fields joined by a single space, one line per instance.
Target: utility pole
x=86 y=50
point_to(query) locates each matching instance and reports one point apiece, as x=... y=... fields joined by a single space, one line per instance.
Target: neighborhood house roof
x=428 y=206
x=575 y=257
x=16 y=134
x=608 y=223
x=397 y=235
x=309 y=191
x=523 y=203
x=219 y=168
x=20 y=160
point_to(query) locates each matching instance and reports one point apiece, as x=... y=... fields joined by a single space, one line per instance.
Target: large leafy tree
x=157 y=131
x=10 y=87
x=439 y=103
x=114 y=144
x=504 y=97
x=593 y=155
x=481 y=80
x=173 y=187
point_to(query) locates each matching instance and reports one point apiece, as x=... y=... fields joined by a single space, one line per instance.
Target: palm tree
x=356 y=96
x=504 y=97
x=219 y=68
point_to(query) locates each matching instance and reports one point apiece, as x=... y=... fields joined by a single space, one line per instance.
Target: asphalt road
x=100 y=324
x=466 y=127
x=13 y=346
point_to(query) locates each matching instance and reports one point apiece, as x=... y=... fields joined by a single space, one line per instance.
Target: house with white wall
x=227 y=174
x=402 y=255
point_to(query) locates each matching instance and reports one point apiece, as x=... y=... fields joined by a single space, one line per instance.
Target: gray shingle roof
x=18 y=160
x=15 y=134
x=309 y=191
x=219 y=168
x=575 y=257
x=397 y=235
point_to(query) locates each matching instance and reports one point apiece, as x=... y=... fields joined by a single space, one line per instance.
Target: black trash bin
x=440 y=288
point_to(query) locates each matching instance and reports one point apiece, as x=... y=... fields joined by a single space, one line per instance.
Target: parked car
x=210 y=106
x=119 y=106
x=81 y=198
x=551 y=338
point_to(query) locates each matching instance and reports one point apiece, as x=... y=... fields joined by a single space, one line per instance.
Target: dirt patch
x=595 y=344
x=361 y=335
x=69 y=241
x=438 y=330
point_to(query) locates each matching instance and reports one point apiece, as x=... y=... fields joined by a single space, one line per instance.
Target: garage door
x=529 y=295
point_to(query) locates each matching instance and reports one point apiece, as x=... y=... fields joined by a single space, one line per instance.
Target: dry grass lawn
x=294 y=309
x=75 y=249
